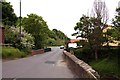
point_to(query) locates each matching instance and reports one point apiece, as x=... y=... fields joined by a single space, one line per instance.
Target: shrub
x=12 y=37
x=87 y=54
x=111 y=52
x=83 y=54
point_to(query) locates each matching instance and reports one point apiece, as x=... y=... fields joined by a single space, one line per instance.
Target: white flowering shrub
x=27 y=40
x=12 y=36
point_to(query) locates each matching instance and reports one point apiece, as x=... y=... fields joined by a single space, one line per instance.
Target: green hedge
x=87 y=54
x=11 y=53
x=83 y=54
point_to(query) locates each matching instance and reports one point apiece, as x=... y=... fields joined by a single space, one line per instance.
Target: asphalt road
x=47 y=65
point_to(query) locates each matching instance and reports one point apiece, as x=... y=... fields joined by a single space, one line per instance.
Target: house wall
x=114 y=43
x=1 y=35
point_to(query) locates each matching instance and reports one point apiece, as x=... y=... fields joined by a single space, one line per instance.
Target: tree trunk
x=96 y=55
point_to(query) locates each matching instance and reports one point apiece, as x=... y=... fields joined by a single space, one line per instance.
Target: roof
x=107 y=28
x=74 y=40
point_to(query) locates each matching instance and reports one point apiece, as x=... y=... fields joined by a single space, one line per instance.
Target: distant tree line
x=35 y=31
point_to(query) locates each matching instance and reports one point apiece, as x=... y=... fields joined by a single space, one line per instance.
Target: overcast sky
x=61 y=14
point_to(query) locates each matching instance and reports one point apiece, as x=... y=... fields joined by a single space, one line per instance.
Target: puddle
x=50 y=62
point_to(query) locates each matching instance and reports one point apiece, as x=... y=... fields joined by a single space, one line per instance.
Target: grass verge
x=12 y=53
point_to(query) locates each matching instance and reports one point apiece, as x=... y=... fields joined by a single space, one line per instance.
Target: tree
x=116 y=23
x=60 y=37
x=100 y=13
x=87 y=28
x=36 y=26
x=8 y=15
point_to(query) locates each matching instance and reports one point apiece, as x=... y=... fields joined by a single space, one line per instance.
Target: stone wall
x=79 y=67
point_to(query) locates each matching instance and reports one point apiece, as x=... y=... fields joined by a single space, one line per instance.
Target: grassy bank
x=107 y=68
x=12 y=53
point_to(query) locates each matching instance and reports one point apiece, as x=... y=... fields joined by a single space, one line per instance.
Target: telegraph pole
x=20 y=21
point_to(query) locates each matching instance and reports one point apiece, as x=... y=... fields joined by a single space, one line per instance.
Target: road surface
x=47 y=65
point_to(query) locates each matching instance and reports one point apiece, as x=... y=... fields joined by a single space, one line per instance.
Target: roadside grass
x=107 y=67
x=12 y=53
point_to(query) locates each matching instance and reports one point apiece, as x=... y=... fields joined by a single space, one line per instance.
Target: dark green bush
x=111 y=52
x=83 y=54
x=87 y=54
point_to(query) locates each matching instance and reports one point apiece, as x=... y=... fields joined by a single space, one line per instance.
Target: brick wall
x=39 y=51
x=1 y=35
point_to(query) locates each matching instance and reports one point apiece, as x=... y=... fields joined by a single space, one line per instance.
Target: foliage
x=91 y=27
x=12 y=37
x=107 y=67
x=8 y=15
x=87 y=28
x=83 y=54
x=32 y=24
x=112 y=34
x=86 y=53
x=59 y=34
x=37 y=27
x=56 y=38
x=116 y=22
x=51 y=42
x=11 y=53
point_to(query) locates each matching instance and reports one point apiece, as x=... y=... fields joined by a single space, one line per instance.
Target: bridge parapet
x=79 y=67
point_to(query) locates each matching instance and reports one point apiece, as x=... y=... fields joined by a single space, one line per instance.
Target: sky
x=61 y=14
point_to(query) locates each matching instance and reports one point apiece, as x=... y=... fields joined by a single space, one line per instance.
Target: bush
x=11 y=53
x=87 y=54
x=111 y=52
x=12 y=37
x=83 y=54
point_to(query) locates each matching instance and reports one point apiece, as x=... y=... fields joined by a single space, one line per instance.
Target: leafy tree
x=116 y=22
x=52 y=34
x=51 y=41
x=8 y=15
x=36 y=26
x=91 y=27
x=87 y=28
x=100 y=12
x=61 y=38
x=59 y=34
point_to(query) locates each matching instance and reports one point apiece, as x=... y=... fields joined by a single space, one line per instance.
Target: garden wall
x=39 y=51
x=79 y=67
